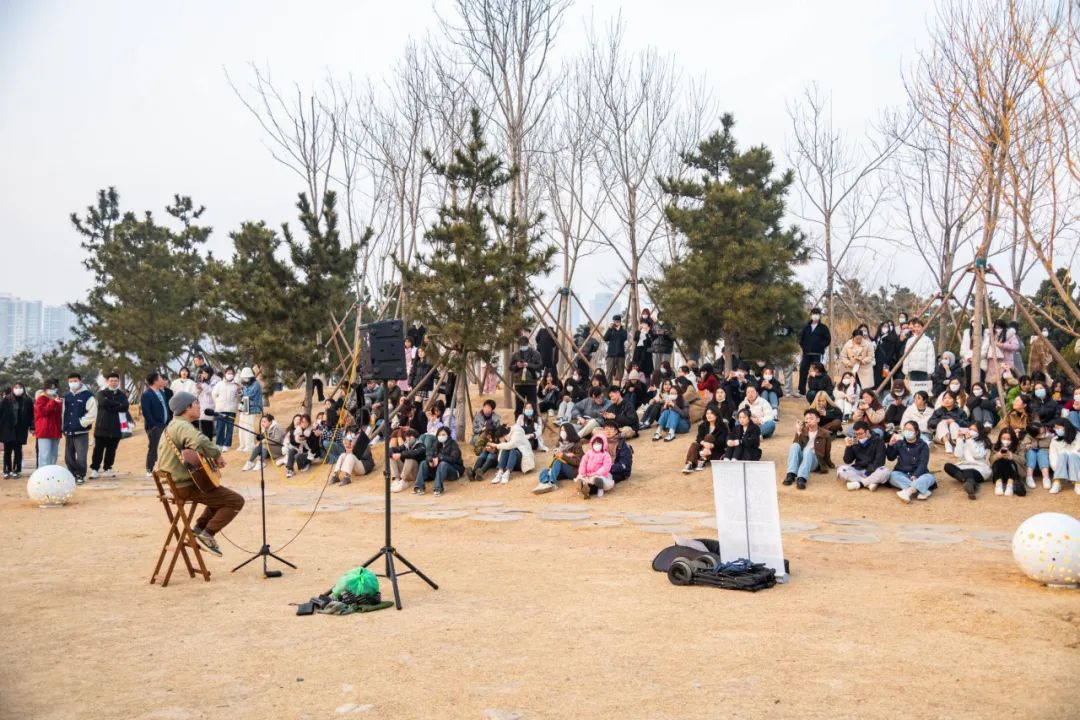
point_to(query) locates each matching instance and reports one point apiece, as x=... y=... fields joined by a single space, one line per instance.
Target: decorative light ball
x=1047 y=548
x=51 y=486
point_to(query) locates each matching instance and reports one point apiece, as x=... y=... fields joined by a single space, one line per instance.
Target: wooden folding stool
x=180 y=539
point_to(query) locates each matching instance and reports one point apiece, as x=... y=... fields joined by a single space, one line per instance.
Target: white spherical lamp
x=51 y=486
x=1047 y=548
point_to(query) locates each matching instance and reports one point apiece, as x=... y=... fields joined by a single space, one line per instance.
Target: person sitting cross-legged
x=744 y=441
x=564 y=462
x=761 y=411
x=864 y=459
x=911 y=473
x=622 y=411
x=811 y=449
x=947 y=421
x=586 y=414
x=444 y=463
x=622 y=455
x=594 y=471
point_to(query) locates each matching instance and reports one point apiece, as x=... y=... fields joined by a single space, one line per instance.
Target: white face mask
x=1046 y=333
x=51 y=392
x=443 y=438
x=1005 y=442
x=18 y=392
x=229 y=376
x=955 y=387
x=562 y=436
x=977 y=392
x=815 y=318
x=73 y=386
x=598 y=447
x=767 y=376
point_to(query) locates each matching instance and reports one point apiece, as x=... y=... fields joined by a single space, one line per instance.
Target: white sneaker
x=397 y=486
x=1009 y=489
x=1055 y=487
x=93 y=475
x=999 y=488
x=498 y=478
x=542 y=448
x=505 y=478
x=925 y=496
x=542 y=488
x=853 y=484
x=948 y=447
x=149 y=474
x=289 y=473
x=1076 y=487
x=688 y=468
x=657 y=435
x=1030 y=482
x=110 y=473
x=906 y=493
x=1046 y=483
x=872 y=487
x=670 y=436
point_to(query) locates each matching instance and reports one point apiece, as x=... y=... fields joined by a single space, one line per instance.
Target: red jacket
x=47 y=414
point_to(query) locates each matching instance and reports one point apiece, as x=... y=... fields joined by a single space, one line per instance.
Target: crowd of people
x=1016 y=427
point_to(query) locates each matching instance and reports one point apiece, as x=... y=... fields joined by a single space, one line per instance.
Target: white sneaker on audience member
x=853 y=484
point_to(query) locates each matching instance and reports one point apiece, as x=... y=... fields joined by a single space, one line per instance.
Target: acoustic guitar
x=204 y=473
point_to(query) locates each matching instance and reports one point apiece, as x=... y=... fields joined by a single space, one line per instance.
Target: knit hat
x=180 y=402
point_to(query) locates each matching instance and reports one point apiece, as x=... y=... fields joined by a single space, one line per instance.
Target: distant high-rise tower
x=30 y=325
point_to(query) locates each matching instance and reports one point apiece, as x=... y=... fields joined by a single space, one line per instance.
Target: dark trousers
x=804 y=369
x=153 y=437
x=317 y=388
x=529 y=393
x=222 y=505
x=75 y=447
x=206 y=427
x=12 y=458
x=104 y=449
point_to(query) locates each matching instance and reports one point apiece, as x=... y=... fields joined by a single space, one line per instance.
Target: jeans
x=768 y=427
x=1037 y=458
x=225 y=428
x=1068 y=467
x=558 y=471
x=771 y=397
x=671 y=420
x=75 y=449
x=903 y=480
x=801 y=461
x=104 y=450
x=296 y=457
x=47 y=451
x=485 y=458
x=509 y=460
x=1074 y=418
x=442 y=472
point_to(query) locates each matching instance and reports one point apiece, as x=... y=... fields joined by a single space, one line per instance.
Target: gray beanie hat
x=180 y=402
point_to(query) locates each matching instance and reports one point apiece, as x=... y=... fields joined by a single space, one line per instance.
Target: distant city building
x=599 y=304
x=30 y=325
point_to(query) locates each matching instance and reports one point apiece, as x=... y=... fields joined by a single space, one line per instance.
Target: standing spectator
x=886 y=351
x=997 y=350
x=663 y=343
x=814 y=341
x=226 y=396
x=642 y=357
x=920 y=359
x=155 y=411
x=525 y=367
x=417 y=333
x=857 y=357
x=1039 y=356
x=205 y=393
x=616 y=349
x=48 y=411
x=420 y=369
x=251 y=407
x=183 y=383
x=112 y=406
x=16 y=420
x=201 y=364
x=548 y=349
x=80 y=410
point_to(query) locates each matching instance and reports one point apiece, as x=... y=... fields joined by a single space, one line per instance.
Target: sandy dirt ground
x=534 y=617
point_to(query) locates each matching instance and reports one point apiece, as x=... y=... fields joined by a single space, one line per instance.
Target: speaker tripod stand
x=388 y=550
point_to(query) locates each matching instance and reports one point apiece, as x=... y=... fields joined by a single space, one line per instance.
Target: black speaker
x=382 y=350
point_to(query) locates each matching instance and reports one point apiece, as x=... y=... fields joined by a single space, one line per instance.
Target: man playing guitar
x=222 y=504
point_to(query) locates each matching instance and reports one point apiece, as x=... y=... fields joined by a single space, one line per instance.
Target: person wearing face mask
x=48 y=411
x=112 y=404
x=946 y=375
x=956 y=389
x=920 y=356
x=594 y=470
x=947 y=421
x=16 y=420
x=886 y=351
x=525 y=368
x=533 y=429
x=981 y=407
x=972 y=451
x=814 y=340
x=226 y=395
x=615 y=361
x=998 y=350
x=416 y=333
x=819 y=382
x=251 y=407
x=1018 y=354
x=864 y=460
x=1035 y=445
x=920 y=412
x=1039 y=356
x=442 y=464
x=770 y=388
x=1065 y=456
x=1043 y=407
x=564 y=461
x=857 y=357
x=1007 y=464
x=911 y=473
x=80 y=411
x=514 y=453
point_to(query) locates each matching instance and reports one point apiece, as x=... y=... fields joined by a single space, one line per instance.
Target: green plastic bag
x=358 y=581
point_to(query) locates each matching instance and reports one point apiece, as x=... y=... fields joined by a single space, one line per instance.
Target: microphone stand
x=264 y=552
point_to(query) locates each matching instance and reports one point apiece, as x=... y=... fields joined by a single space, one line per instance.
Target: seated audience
x=869 y=410
x=356 y=461
x=972 y=451
x=405 y=459
x=1065 y=456
x=515 y=453
x=712 y=435
x=911 y=473
x=811 y=449
x=947 y=421
x=564 y=461
x=744 y=440
x=1007 y=464
x=760 y=411
x=443 y=463
x=594 y=471
x=919 y=411
x=864 y=459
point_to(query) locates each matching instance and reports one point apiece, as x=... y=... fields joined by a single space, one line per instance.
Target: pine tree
x=471 y=288
x=145 y=305
x=736 y=279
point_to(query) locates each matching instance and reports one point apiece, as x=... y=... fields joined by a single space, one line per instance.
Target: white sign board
x=748 y=513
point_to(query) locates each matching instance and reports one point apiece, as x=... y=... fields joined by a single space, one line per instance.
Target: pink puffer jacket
x=595 y=464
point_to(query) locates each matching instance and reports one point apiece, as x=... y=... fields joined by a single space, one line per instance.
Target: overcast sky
x=133 y=94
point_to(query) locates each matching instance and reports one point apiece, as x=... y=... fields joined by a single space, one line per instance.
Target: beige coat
x=859 y=359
